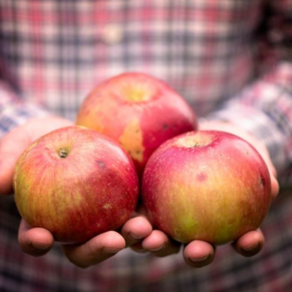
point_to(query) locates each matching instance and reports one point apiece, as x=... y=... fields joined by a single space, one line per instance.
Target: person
x=231 y=60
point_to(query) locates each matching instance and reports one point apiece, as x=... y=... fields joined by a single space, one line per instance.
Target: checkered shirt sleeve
x=265 y=110
x=264 y=107
x=14 y=111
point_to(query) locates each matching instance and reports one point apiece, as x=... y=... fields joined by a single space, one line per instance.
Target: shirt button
x=112 y=34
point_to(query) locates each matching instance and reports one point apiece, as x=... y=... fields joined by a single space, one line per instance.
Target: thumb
x=15 y=142
x=11 y=147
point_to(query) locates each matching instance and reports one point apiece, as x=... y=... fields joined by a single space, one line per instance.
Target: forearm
x=264 y=109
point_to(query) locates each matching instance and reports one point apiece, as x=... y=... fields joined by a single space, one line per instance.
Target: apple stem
x=196 y=144
x=63 y=153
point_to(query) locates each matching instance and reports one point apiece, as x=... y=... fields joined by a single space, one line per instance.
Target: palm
x=137 y=232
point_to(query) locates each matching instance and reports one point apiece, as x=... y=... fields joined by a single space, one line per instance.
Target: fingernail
x=111 y=250
x=198 y=260
x=40 y=247
x=251 y=247
x=136 y=236
x=141 y=250
x=156 y=249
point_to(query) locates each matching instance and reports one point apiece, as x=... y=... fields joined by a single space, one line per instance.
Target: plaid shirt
x=230 y=59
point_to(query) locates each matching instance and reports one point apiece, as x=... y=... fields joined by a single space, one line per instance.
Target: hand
x=258 y=145
x=137 y=232
x=38 y=241
x=252 y=242
x=196 y=254
x=199 y=253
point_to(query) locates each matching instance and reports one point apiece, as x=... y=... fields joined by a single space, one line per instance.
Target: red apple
x=206 y=185
x=138 y=111
x=76 y=183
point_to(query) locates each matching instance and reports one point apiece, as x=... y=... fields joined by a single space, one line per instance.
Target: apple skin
x=92 y=189
x=206 y=185
x=138 y=111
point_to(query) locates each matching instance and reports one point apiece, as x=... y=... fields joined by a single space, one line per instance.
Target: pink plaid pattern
x=57 y=51
x=230 y=59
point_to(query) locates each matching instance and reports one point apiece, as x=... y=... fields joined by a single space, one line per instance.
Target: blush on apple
x=138 y=111
x=206 y=185
x=76 y=183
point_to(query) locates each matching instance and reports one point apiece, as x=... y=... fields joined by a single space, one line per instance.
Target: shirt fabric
x=230 y=59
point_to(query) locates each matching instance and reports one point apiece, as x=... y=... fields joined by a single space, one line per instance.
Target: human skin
x=137 y=232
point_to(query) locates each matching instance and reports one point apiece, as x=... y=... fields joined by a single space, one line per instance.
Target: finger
x=11 y=147
x=250 y=243
x=160 y=245
x=138 y=247
x=272 y=169
x=275 y=187
x=34 y=241
x=96 y=250
x=16 y=141
x=135 y=229
x=198 y=254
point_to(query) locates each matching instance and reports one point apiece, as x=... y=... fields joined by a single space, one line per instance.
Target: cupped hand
x=136 y=232
x=199 y=253
x=258 y=145
x=252 y=242
x=38 y=241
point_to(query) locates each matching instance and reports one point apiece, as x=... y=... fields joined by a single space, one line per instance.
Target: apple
x=138 y=111
x=76 y=183
x=206 y=185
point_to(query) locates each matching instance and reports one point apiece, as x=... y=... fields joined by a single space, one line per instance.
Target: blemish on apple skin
x=100 y=163
x=132 y=140
x=107 y=206
x=262 y=181
x=201 y=176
